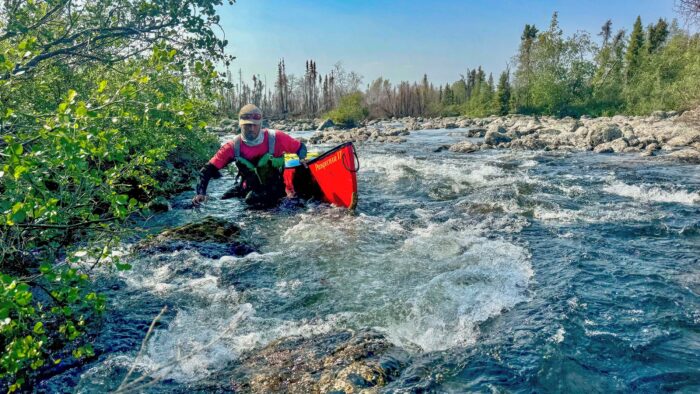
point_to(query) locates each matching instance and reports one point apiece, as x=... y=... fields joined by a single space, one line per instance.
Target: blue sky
x=402 y=40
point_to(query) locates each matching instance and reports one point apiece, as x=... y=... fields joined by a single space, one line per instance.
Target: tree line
x=652 y=67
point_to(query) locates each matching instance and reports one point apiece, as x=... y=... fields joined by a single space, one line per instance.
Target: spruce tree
x=633 y=57
x=657 y=35
x=503 y=94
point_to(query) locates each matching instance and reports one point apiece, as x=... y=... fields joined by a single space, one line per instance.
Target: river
x=498 y=271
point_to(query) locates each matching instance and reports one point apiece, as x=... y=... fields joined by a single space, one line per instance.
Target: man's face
x=250 y=131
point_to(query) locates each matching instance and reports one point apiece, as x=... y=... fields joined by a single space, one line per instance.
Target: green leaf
x=81 y=109
x=71 y=95
x=19 y=170
x=101 y=87
x=17 y=149
x=122 y=199
x=123 y=266
x=39 y=328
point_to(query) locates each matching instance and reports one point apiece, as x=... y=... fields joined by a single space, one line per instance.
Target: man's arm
x=302 y=151
x=205 y=174
x=211 y=170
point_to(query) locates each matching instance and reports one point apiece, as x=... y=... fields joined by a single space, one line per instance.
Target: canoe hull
x=330 y=177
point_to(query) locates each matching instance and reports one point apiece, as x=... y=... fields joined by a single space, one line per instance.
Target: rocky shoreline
x=667 y=134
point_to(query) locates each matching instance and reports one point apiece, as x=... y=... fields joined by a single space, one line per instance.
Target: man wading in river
x=259 y=157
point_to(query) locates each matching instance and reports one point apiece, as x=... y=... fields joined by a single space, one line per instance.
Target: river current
x=498 y=271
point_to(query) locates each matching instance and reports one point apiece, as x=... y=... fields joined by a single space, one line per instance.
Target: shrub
x=350 y=111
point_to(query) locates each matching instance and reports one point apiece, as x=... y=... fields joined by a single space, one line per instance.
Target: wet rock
x=652 y=147
x=464 y=147
x=159 y=204
x=342 y=361
x=496 y=135
x=476 y=132
x=210 y=237
x=688 y=155
x=530 y=142
x=616 y=146
x=428 y=126
x=604 y=133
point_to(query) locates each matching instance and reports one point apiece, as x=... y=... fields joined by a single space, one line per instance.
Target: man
x=259 y=157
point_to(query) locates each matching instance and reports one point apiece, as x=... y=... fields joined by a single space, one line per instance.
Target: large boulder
x=476 y=132
x=530 y=142
x=685 y=138
x=211 y=237
x=344 y=361
x=464 y=123
x=464 y=147
x=603 y=133
x=325 y=124
x=496 y=135
x=617 y=146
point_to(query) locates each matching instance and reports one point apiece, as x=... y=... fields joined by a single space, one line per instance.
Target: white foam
x=459 y=174
x=558 y=337
x=647 y=193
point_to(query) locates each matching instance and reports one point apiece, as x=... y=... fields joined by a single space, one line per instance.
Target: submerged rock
x=345 y=361
x=211 y=237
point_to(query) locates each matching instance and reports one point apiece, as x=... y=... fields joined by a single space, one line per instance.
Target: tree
x=633 y=57
x=107 y=31
x=503 y=94
x=690 y=9
x=657 y=35
x=524 y=70
x=606 y=31
x=103 y=106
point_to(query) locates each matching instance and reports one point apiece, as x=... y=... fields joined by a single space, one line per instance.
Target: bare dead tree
x=690 y=10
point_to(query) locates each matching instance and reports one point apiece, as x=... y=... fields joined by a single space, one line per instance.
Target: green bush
x=350 y=111
x=86 y=140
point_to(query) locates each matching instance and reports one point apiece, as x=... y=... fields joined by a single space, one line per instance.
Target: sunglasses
x=251 y=117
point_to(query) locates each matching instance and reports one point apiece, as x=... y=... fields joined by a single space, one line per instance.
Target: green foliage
x=656 y=70
x=633 y=58
x=349 y=111
x=667 y=80
x=84 y=144
x=503 y=94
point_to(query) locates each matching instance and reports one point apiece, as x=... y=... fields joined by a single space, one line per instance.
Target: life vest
x=263 y=178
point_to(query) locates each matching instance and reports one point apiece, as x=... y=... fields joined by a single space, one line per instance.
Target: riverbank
x=667 y=134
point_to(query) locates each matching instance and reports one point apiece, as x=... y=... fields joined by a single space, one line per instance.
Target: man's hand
x=199 y=199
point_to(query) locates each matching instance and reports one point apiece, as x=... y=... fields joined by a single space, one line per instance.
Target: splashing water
x=496 y=270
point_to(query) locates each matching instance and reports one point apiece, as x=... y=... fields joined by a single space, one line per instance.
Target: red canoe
x=330 y=177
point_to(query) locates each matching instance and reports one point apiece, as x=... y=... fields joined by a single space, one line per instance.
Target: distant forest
x=650 y=68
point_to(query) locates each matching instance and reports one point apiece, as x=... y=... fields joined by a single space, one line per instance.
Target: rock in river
x=341 y=361
x=211 y=237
